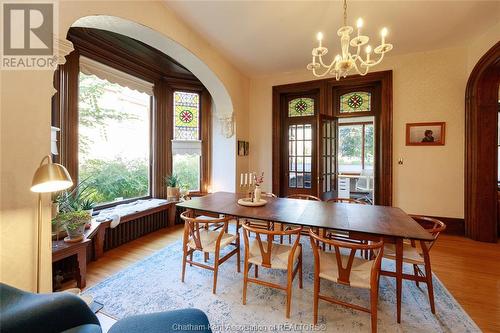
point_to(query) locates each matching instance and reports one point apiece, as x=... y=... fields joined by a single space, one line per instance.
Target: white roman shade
x=189 y=147
x=92 y=67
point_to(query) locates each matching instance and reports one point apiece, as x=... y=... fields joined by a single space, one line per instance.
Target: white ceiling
x=263 y=37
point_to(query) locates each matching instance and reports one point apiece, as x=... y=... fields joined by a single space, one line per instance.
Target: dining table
x=365 y=222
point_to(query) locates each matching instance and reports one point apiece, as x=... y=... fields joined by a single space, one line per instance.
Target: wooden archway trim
x=481 y=157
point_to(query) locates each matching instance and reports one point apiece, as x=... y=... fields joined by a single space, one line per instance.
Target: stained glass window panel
x=186 y=115
x=299 y=107
x=358 y=101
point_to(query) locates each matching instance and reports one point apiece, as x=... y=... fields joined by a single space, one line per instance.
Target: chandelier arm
x=326 y=66
x=320 y=74
x=359 y=72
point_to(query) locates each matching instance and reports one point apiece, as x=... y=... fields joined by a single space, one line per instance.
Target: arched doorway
x=223 y=160
x=481 y=152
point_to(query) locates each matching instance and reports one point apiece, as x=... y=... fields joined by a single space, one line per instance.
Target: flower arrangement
x=258 y=180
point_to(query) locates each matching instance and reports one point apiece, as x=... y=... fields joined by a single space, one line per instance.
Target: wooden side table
x=61 y=250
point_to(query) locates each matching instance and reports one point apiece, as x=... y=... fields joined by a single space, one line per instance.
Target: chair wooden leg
x=316 y=298
x=430 y=288
x=238 y=255
x=373 y=307
x=183 y=265
x=206 y=256
x=245 y=282
x=289 y=291
x=216 y=271
x=256 y=271
x=191 y=259
x=300 y=269
x=415 y=273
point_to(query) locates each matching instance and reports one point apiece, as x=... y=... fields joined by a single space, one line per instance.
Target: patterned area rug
x=154 y=284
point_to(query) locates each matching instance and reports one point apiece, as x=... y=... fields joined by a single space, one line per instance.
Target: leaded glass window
x=301 y=107
x=358 y=101
x=186 y=115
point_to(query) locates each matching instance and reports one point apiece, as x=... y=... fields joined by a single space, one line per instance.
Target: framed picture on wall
x=243 y=147
x=425 y=134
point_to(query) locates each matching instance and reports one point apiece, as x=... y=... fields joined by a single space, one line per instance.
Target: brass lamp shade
x=50 y=177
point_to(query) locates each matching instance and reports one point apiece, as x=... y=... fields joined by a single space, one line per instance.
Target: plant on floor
x=173 y=191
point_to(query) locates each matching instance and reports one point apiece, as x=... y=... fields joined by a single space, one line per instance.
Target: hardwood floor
x=470 y=270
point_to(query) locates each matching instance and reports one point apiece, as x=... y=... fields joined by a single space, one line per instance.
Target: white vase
x=257 y=194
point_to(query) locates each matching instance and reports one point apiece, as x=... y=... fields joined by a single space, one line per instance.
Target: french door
x=299 y=136
x=328 y=156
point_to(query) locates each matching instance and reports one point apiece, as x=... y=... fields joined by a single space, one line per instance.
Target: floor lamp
x=48 y=178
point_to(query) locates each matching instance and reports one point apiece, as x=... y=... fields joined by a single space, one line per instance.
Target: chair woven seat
x=360 y=271
x=208 y=240
x=279 y=255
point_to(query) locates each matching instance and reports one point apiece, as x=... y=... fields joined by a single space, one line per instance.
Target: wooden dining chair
x=198 y=238
x=419 y=256
x=272 y=255
x=260 y=224
x=346 y=269
x=305 y=230
x=339 y=235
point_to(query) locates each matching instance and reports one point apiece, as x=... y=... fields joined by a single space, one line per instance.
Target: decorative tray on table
x=249 y=203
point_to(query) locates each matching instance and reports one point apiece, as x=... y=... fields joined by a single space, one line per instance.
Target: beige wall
x=427 y=87
x=25 y=132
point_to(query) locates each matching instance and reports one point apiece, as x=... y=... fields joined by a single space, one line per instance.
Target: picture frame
x=243 y=147
x=426 y=134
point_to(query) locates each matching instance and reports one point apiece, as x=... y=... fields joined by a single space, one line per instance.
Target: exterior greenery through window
x=186 y=165
x=356 y=147
x=113 y=140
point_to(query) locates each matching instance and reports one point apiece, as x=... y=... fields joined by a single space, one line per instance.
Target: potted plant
x=78 y=199
x=87 y=205
x=74 y=223
x=173 y=191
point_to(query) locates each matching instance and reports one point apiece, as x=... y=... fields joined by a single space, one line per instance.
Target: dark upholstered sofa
x=25 y=312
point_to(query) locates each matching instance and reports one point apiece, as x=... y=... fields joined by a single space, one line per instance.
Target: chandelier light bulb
x=319 y=36
x=383 y=33
x=368 y=49
x=359 y=23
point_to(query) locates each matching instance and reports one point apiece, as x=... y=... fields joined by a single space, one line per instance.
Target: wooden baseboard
x=454 y=225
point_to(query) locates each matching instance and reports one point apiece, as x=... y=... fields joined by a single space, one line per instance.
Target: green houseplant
x=74 y=223
x=78 y=199
x=173 y=190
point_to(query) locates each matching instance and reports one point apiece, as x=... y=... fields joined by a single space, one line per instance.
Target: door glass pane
x=358 y=101
x=301 y=107
x=300 y=180
x=291 y=164
x=300 y=163
x=369 y=147
x=300 y=132
x=307 y=164
x=307 y=148
x=307 y=132
x=307 y=180
x=292 y=181
x=350 y=148
x=300 y=147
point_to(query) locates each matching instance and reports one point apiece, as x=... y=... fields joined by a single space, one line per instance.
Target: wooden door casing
x=295 y=123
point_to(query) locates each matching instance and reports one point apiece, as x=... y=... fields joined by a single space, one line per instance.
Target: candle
x=246 y=179
x=383 y=33
x=368 y=51
x=319 y=36
x=241 y=179
x=359 y=24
